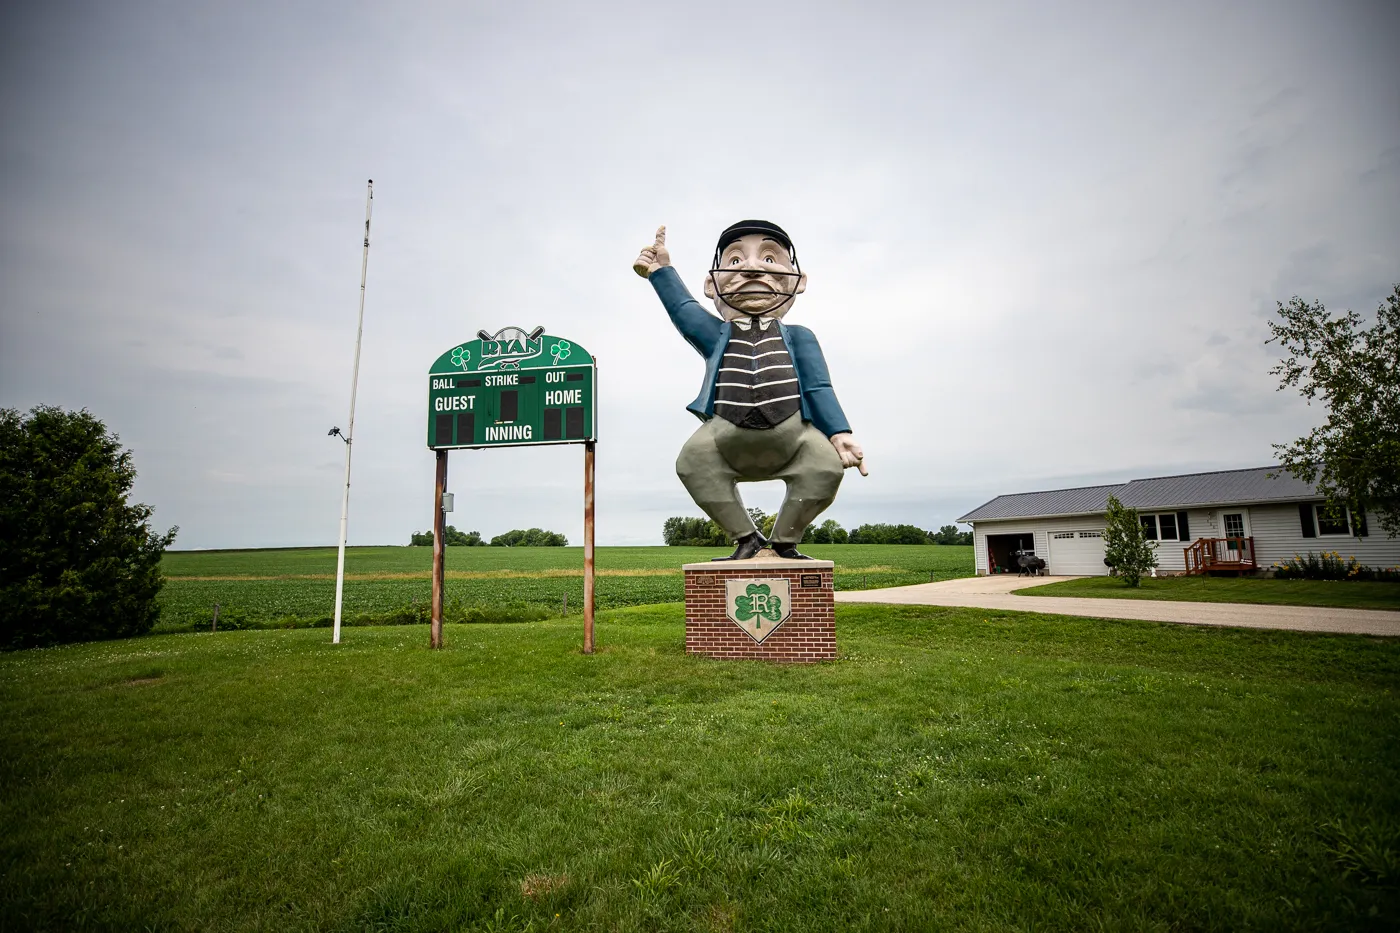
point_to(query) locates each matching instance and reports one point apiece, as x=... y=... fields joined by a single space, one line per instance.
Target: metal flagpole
x=350 y=434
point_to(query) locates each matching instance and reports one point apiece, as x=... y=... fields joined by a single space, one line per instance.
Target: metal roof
x=1224 y=487
x=1228 y=487
x=1083 y=500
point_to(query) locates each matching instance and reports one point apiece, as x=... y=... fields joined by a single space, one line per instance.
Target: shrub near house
x=1329 y=565
x=1126 y=548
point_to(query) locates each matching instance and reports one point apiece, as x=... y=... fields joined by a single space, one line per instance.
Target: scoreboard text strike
x=512 y=389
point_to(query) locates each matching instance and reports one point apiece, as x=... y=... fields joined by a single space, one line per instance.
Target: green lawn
x=297 y=586
x=1350 y=594
x=956 y=770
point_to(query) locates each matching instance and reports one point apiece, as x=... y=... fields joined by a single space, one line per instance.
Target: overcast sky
x=1043 y=240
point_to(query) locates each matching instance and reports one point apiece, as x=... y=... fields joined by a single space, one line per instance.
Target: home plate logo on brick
x=758 y=606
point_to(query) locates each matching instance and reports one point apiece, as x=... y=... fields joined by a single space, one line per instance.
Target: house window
x=1159 y=527
x=1091 y=534
x=1328 y=526
x=1234 y=525
x=1062 y=534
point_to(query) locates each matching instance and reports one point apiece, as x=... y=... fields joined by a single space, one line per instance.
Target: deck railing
x=1207 y=554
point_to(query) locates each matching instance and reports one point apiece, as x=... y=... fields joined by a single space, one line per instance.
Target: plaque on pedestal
x=765 y=608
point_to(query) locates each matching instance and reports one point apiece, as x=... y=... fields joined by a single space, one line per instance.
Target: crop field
x=291 y=587
x=955 y=770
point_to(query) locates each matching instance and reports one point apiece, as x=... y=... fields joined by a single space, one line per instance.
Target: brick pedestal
x=805 y=635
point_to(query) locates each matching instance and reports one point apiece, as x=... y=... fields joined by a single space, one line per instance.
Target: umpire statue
x=768 y=408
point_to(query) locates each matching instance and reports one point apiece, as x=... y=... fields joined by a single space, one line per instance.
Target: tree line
x=688 y=531
x=518 y=537
x=80 y=561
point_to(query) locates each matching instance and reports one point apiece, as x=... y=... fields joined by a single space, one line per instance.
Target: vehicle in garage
x=1239 y=521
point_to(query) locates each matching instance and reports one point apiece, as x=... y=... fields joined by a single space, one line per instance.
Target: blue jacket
x=709 y=336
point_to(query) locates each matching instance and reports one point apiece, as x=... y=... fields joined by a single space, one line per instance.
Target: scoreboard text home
x=512 y=389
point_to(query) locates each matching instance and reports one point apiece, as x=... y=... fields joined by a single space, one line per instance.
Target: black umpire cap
x=745 y=227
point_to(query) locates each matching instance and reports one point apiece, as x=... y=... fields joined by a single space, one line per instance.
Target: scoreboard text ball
x=511 y=390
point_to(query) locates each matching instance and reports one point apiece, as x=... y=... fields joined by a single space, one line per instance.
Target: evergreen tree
x=78 y=561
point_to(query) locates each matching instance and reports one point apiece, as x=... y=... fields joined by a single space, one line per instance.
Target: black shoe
x=789 y=552
x=746 y=547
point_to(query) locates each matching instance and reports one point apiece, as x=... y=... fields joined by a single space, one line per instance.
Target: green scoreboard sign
x=512 y=388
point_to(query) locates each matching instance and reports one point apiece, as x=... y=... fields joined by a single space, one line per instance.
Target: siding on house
x=1171 y=555
x=1278 y=535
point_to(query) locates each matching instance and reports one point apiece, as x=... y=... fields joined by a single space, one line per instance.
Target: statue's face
x=755 y=276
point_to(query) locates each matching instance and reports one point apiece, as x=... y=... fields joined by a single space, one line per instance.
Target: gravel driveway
x=994 y=592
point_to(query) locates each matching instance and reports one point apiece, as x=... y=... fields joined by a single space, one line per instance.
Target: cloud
x=1043 y=243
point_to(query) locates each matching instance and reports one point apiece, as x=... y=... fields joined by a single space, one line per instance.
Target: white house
x=1234 y=519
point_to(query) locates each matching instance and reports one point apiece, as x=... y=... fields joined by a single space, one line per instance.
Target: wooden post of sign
x=588 y=547
x=439 y=552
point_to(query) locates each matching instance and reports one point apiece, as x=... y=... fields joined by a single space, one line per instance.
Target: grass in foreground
x=958 y=770
x=297 y=586
x=1348 y=594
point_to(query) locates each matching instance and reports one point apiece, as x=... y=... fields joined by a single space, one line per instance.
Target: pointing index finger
x=661 y=235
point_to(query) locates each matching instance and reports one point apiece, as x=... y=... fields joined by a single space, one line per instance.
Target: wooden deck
x=1221 y=555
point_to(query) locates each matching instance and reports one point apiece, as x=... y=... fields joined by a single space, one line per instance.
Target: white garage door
x=1077 y=552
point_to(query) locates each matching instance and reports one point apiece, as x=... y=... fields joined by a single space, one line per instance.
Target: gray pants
x=719 y=455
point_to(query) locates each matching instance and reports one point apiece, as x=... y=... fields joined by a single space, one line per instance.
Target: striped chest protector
x=757 y=386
